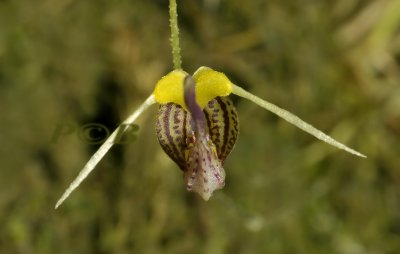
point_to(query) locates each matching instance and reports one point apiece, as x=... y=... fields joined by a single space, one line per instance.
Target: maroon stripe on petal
x=171 y=142
x=226 y=124
x=207 y=116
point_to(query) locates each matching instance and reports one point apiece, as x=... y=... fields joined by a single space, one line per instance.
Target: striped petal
x=174 y=132
x=222 y=125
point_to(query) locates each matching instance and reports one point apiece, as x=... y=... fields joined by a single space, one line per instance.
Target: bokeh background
x=334 y=63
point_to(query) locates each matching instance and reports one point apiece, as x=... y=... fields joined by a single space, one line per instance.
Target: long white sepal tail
x=291 y=118
x=94 y=160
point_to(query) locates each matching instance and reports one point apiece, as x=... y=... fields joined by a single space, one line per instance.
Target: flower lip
x=204 y=172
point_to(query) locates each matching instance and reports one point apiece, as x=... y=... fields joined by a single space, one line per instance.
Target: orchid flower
x=197 y=125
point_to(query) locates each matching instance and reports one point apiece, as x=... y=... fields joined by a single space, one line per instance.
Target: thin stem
x=293 y=120
x=173 y=22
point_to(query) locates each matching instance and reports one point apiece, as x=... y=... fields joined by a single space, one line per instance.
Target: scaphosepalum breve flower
x=197 y=125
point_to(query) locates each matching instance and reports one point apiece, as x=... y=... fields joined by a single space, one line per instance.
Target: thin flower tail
x=292 y=119
x=95 y=159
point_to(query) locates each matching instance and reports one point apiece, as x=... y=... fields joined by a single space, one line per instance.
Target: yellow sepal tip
x=170 y=88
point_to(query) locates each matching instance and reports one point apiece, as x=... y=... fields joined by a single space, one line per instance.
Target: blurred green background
x=334 y=63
